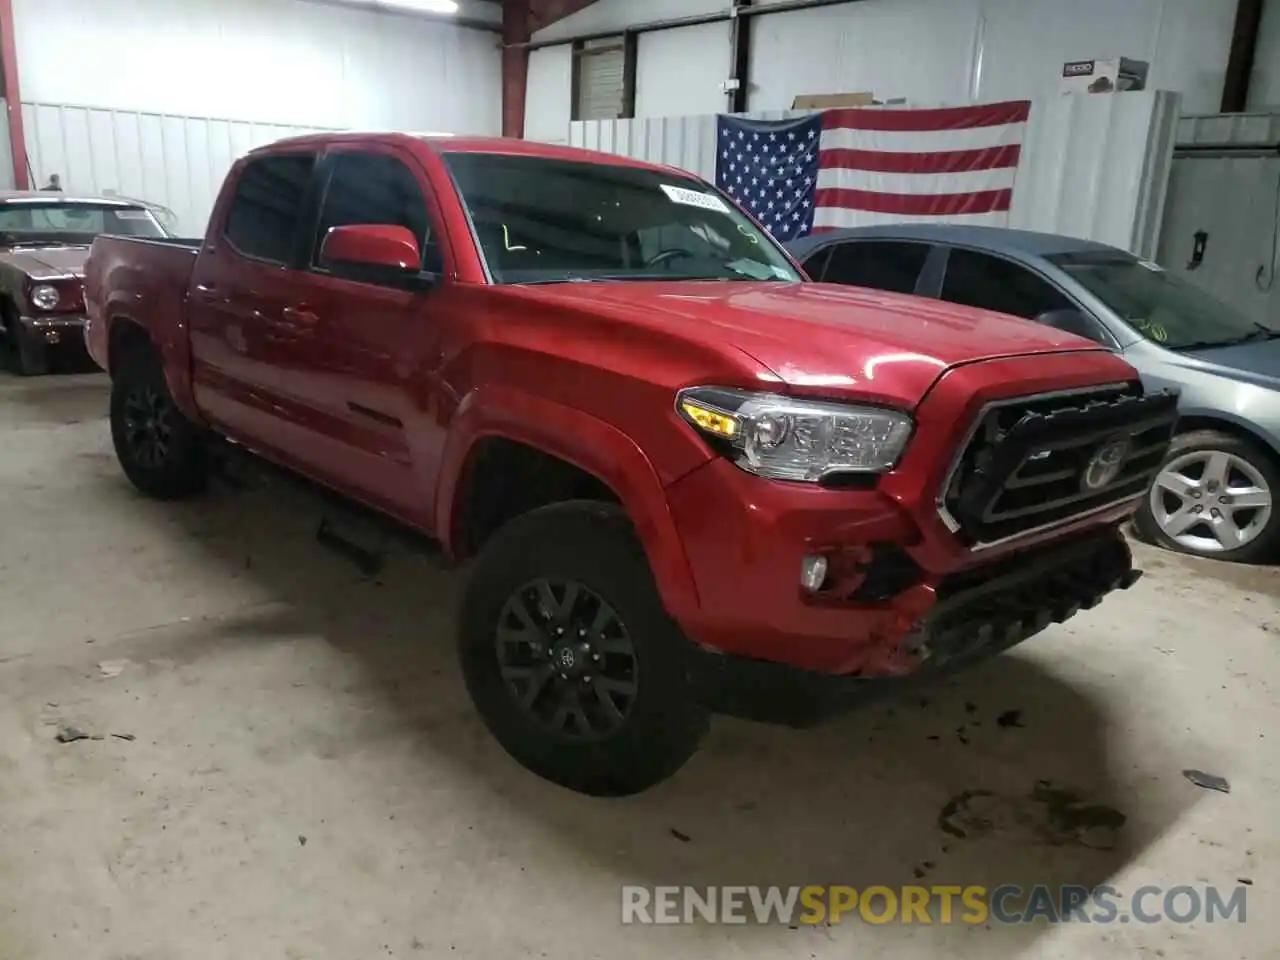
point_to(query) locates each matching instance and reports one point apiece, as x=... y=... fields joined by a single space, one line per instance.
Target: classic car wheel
x=161 y=452
x=1214 y=497
x=569 y=656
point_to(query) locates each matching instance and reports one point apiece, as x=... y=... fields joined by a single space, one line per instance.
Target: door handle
x=299 y=315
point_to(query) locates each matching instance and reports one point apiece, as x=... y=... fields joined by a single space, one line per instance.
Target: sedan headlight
x=45 y=297
x=783 y=438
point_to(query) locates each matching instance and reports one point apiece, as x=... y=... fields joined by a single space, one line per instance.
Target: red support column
x=12 y=98
x=517 y=27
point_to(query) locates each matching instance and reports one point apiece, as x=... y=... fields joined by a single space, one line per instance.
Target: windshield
x=540 y=220
x=1160 y=306
x=71 y=223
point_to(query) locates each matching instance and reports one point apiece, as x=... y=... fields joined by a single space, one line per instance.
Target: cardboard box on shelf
x=1112 y=75
x=833 y=101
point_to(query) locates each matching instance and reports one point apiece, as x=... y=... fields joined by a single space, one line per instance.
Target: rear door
x=247 y=344
x=898 y=266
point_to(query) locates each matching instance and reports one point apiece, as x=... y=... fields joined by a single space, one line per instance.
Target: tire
x=1249 y=507
x=175 y=469
x=592 y=545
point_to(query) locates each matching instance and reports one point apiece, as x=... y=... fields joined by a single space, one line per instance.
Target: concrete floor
x=309 y=781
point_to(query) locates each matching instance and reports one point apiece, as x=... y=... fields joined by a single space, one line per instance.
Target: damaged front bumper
x=978 y=614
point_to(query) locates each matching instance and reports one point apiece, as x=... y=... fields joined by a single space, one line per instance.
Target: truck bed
x=130 y=274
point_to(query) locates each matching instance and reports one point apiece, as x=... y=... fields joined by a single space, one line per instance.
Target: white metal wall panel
x=702 y=54
x=1097 y=167
x=918 y=49
x=1093 y=167
x=265 y=61
x=7 y=181
x=685 y=142
x=933 y=50
x=1264 y=88
x=1229 y=128
x=176 y=162
x=546 y=100
x=1236 y=201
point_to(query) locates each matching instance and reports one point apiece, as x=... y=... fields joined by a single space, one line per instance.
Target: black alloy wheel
x=567 y=659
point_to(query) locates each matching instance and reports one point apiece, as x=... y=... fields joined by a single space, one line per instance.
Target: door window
x=817 y=263
x=372 y=188
x=979 y=280
x=267 y=207
x=880 y=265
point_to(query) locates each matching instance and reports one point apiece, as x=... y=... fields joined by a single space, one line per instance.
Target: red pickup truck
x=693 y=481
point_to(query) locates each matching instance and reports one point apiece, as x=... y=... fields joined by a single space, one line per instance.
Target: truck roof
x=447 y=143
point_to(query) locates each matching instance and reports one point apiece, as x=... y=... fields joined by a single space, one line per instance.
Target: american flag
x=857 y=167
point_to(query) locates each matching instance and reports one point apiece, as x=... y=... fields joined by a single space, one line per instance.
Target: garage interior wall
x=154 y=98
x=929 y=51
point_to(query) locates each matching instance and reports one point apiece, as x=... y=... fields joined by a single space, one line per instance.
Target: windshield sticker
x=694 y=198
x=132 y=214
x=1153 y=267
x=750 y=234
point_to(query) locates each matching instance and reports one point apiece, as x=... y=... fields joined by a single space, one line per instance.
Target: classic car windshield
x=1160 y=306
x=541 y=220
x=74 y=223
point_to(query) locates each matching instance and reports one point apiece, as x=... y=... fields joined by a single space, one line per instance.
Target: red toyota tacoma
x=693 y=482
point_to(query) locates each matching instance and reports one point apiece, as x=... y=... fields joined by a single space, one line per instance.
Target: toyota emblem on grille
x=1105 y=464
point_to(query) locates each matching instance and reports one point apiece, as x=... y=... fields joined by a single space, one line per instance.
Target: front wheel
x=161 y=452
x=569 y=656
x=1214 y=497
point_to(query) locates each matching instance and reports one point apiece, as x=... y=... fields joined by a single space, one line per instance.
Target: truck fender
x=586 y=442
x=175 y=357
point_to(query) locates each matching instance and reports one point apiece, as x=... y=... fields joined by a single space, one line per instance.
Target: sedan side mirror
x=1070 y=320
x=367 y=246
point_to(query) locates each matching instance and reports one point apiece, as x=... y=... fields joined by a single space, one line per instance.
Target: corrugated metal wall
x=1094 y=167
x=925 y=50
x=1225 y=182
x=176 y=162
x=266 y=61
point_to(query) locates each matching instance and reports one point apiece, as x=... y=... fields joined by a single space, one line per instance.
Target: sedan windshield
x=1160 y=306
x=58 y=221
x=541 y=220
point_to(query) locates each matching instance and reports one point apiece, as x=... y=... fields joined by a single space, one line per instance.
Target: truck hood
x=44 y=263
x=824 y=338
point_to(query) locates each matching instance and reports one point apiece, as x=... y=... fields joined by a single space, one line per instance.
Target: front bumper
x=55 y=330
x=977 y=615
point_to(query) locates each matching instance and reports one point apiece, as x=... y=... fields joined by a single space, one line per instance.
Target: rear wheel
x=1214 y=497
x=161 y=452
x=570 y=657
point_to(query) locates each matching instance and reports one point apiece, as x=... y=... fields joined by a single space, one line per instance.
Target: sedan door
x=976 y=279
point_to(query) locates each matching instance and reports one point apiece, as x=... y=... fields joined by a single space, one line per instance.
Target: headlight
x=788 y=439
x=45 y=297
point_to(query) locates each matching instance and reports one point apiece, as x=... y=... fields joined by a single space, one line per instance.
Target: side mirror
x=372 y=246
x=1070 y=320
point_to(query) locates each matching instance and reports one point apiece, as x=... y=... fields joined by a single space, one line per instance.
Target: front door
x=372 y=342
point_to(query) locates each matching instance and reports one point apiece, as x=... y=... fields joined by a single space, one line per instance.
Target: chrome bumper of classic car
x=54 y=330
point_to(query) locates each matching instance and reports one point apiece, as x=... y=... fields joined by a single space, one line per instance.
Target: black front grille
x=1043 y=460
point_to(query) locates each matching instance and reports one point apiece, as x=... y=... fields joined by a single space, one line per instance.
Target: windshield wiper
x=1253 y=336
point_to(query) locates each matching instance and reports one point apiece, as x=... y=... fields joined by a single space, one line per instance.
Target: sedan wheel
x=1214 y=497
